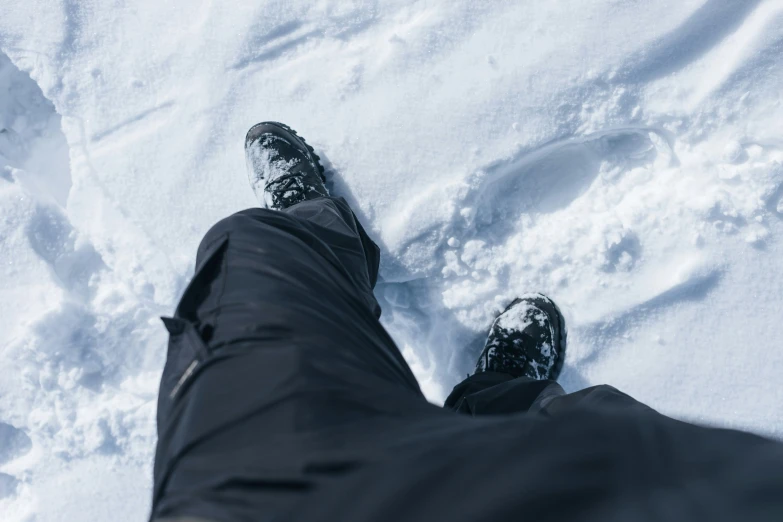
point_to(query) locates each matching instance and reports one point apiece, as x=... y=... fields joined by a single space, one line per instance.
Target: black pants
x=283 y=398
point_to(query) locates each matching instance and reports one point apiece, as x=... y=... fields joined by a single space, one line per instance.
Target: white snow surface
x=621 y=156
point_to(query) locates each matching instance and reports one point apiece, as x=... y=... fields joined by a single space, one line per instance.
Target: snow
x=623 y=157
x=520 y=317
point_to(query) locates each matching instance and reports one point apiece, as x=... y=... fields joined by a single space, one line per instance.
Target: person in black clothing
x=283 y=397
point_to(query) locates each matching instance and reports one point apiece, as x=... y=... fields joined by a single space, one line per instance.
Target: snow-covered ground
x=623 y=156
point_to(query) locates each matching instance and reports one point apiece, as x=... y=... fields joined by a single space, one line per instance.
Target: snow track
x=623 y=157
x=73 y=333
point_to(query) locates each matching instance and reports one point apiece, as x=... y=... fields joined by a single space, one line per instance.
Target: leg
x=278 y=368
x=274 y=345
x=495 y=393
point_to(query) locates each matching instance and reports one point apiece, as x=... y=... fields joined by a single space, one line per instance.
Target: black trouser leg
x=493 y=393
x=274 y=345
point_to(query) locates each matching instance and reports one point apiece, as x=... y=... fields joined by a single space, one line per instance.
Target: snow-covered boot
x=283 y=169
x=527 y=340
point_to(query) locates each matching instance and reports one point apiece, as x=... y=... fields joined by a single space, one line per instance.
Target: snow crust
x=624 y=158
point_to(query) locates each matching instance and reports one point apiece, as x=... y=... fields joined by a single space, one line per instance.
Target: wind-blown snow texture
x=622 y=156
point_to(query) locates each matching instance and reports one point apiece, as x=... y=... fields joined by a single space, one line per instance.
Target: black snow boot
x=527 y=340
x=283 y=169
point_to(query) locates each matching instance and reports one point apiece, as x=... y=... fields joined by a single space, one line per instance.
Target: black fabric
x=283 y=398
x=493 y=393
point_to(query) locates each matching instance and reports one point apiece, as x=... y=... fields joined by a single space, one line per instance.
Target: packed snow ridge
x=623 y=158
